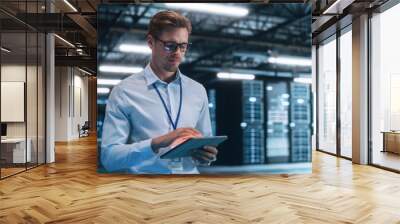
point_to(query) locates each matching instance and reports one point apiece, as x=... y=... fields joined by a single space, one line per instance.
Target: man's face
x=162 y=55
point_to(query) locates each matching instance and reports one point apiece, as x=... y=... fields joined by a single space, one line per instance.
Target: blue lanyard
x=174 y=124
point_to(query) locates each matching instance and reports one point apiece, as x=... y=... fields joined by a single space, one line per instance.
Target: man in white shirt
x=156 y=108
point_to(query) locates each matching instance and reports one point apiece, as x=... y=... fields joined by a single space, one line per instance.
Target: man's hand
x=178 y=135
x=206 y=155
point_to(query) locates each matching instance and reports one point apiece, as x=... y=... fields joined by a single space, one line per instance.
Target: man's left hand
x=207 y=154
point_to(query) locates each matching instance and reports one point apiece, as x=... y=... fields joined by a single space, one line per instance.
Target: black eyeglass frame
x=171 y=47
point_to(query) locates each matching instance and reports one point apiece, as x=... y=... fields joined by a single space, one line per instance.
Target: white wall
x=80 y=104
x=14 y=73
x=33 y=127
x=17 y=73
x=71 y=102
x=61 y=103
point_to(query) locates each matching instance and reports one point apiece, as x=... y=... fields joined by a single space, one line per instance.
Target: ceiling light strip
x=119 y=69
x=65 y=41
x=70 y=5
x=211 y=8
x=5 y=50
x=225 y=75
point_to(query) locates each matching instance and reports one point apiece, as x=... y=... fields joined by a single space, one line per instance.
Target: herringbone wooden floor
x=71 y=191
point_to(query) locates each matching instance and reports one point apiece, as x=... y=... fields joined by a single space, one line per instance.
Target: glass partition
x=13 y=109
x=327 y=96
x=31 y=97
x=346 y=93
x=385 y=89
x=41 y=96
x=22 y=77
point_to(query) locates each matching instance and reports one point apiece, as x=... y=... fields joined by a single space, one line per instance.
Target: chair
x=84 y=130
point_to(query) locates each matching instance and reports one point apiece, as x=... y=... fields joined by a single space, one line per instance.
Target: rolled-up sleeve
x=116 y=153
x=204 y=122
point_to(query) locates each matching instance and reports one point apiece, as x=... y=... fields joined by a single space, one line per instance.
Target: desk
x=13 y=150
x=391 y=141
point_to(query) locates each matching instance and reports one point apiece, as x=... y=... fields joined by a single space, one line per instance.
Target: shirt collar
x=151 y=77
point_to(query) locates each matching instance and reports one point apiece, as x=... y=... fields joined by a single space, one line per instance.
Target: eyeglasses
x=171 y=47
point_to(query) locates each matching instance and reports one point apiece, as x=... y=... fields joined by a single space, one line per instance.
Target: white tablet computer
x=186 y=148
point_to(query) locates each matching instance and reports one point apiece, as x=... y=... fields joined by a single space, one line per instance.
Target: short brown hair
x=166 y=20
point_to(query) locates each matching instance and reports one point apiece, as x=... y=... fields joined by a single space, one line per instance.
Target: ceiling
x=218 y=42
x=332 y=15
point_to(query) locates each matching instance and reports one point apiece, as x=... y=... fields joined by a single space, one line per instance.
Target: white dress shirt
x=135 y=114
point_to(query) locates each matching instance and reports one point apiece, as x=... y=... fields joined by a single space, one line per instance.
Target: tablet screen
x=186 y=148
